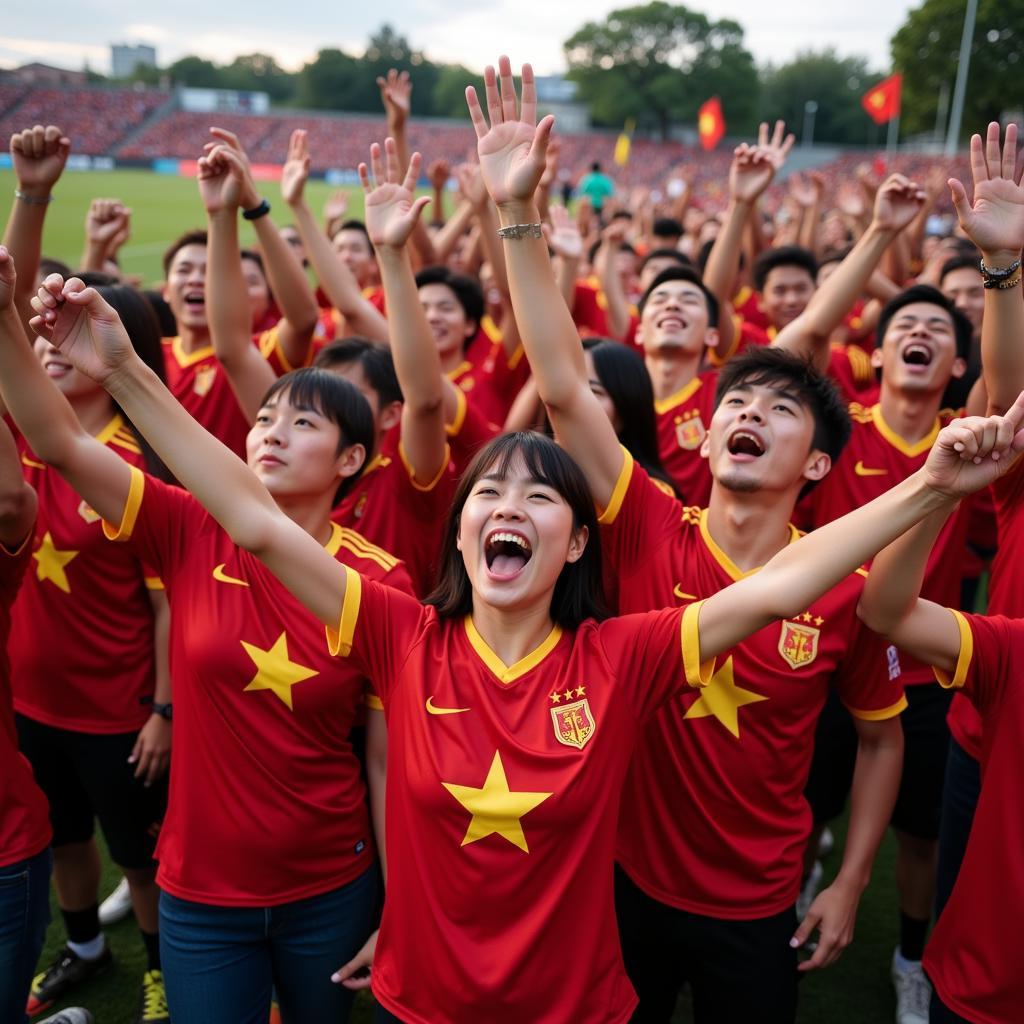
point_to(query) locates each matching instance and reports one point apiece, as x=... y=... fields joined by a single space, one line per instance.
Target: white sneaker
x=70 y=1015
x=826 y=843
x=117 y=905
x=809 y=891
x=913 y=992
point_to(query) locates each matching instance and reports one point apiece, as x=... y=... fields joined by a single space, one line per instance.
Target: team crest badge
x=467 y=384
x=204 y=380
x=88 y=513
x=798 y=643
x=690 y=433
x=360 y=506
x=574 y=724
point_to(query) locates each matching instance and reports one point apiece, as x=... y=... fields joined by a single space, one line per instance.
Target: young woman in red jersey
x=266 y=855
x=511 y=709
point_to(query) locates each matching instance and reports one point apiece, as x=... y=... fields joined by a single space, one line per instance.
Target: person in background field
x=597 y=187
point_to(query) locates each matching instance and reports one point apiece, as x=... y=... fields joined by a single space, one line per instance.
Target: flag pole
x=894 y=134
x=960 y=88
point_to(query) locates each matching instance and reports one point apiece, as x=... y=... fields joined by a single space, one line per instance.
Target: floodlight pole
x=960 y=89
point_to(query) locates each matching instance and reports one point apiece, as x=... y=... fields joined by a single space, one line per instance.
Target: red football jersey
x=748 y=304
x=468 y=433
x=714 y=819
x=851 y=369
x=266 y=802
x=24 y=814
x=590 y=312
x=503 y=792
x=489 y=378
x=94 y=599
x=745 y=336
x=388 y=508
x=197 y=381
x=682 y=422
x=973 y=957
x=875 y=459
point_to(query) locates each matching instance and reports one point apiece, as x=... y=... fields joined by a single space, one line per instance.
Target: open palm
x=296 y=168
x=392 y=208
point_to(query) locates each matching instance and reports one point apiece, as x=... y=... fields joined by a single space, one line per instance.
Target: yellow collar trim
x=184 y=358
x=334 y=541
x=110 y=429
x=464 y=367
x=379 y=461
x=663 y=405
x=509 y=673
x=734 y=571
x=896 y=441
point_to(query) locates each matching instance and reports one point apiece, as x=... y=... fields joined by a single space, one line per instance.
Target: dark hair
x=784 y=256
x=623 y=374
x=665 y=254
x=466 y=290
x=834 y=256
x=194 y=237
x=704 y=254
x=97 y=278
x=376 y=362
x=336 y=399
x=143 y=331
x=355 y=225
x=777 y=368
x=597 y=243
x=963 y=332
x=596 y=165
x=577 y=595
x=959 y=262
x=682 y=273
x=162 y=309
x=666 y=227
x=48 y=265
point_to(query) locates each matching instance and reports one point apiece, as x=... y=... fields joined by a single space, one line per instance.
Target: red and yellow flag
x=710 y=123
x=882 y=102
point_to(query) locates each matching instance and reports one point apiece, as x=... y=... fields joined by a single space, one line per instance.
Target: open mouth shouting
x=917 y=354
x=745 y=445
x=507 y=553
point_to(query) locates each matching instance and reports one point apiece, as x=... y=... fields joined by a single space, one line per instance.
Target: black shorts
x=925 y=748
x=738 y=971
x=87 y=776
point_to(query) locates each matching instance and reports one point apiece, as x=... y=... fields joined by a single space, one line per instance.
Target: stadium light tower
x=960 y=89
x=810 y=109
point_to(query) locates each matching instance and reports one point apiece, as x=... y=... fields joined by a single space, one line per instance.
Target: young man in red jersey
x=713 y=820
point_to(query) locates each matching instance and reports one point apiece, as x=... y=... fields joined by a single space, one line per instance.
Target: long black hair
x=577 y=595
x=623 y=374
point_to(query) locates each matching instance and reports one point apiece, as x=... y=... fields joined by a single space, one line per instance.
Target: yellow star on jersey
x=495 y=808
x=276 y=671
x=52 y=562
x=723 y=699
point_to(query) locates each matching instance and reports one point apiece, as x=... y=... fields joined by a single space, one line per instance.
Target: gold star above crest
x=52 y=562
x=495 y=808
x=723 y=699
x=276 y=671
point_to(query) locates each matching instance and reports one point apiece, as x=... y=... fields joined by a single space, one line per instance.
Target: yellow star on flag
x=52 y=562
x=495 y=808
x=276 y=671
x=723 y=699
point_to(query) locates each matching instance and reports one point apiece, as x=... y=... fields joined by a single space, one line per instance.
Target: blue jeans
x=220 y=963
x=24 y=915
x=959 y=800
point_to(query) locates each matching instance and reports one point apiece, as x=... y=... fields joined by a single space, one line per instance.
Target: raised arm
x=391 y=212
x=995 y=223
x=896 y=204
x=105 y=221
x=18 y=502
x=564 y=240
x=967 y=456
x=38 y=155
x=337 y=281
x=512 y=155
x=606 y=264
x=221 y=177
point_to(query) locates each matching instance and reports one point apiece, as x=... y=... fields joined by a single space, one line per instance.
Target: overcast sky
x=464 y=31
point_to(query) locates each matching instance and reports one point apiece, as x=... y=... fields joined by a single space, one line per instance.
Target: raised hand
x=547 y=179
x=970 y=453
x=221 y=177
x=39 y=155
x=806 y=190
x=438 y=173
x=750 y=173
x=250 y=196
x=995 y=221
x=295 y=172
x=106 y=220
x=563 y=235
x=336 y=206
x=513 y=150
x=777 y=146
x=396 y=95
x=392 y=208
x=471 y=184
x=79 y=322
x=897 y=203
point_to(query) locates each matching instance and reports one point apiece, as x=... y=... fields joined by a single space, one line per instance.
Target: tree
x=196 y=72
x=835 y=83
x=927 y=49
x=259 y=72
x=330 y=81
x=449 y=99
x=657 y=63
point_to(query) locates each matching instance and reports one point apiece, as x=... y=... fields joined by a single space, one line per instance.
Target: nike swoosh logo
x=682 y=595
x=861 y=470
x=222 y=577
x=432 y=710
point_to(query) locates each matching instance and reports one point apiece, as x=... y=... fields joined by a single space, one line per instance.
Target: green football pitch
x=163 y=207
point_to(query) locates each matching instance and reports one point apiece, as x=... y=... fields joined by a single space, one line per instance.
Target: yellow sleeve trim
x=879 y=714
x=609 y=514
x=698 y=673
x=374 y=703
x=737 y=326
x=517 y=357
x=355 y=542
x=154 y=583
x=412 y=473
x=461 y=404
x=131 y=508
x=270 y=343
x=963 y=661
x=339 y=641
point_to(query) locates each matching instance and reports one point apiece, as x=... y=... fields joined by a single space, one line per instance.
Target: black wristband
x=163 y=710
x=257 y=211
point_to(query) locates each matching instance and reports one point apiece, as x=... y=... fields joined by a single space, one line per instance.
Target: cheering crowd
x=494 y=606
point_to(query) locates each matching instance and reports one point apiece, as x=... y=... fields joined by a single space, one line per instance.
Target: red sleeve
x=868 y=679
x=991 y=652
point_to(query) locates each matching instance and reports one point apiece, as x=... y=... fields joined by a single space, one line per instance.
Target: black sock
x=912 y=935
x=82 y=925
x=152 y=943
